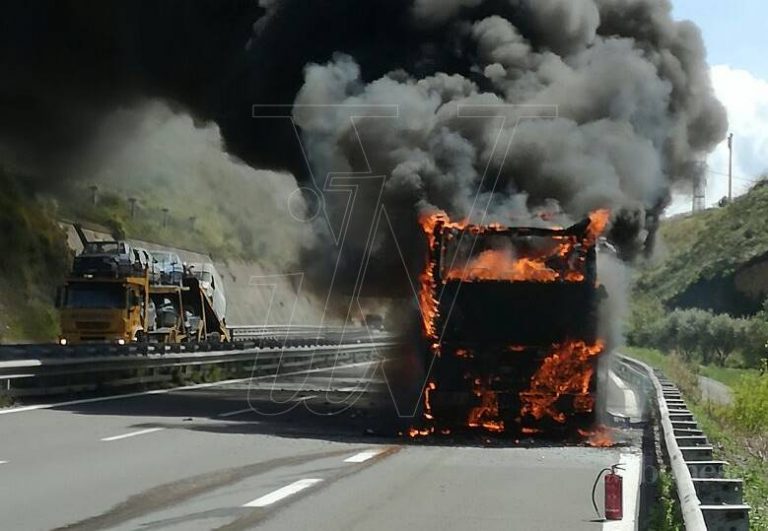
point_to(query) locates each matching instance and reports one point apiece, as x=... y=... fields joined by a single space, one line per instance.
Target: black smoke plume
x=635 y=111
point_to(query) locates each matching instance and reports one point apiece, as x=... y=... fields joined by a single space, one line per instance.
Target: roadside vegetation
x=33 y=260
x=725 y=344
x=665 y=513
x=738 y=431
x=673 y=327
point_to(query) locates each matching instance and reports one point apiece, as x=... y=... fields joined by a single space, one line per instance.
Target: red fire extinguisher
x=614 y=494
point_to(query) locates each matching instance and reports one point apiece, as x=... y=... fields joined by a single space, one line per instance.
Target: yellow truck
x=104 y=310
x=116 y=294
x=133 y=309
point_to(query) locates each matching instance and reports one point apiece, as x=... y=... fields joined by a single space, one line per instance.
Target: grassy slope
x=709 y=244
x=114 y=212
x=229 y=220
x=33 y=259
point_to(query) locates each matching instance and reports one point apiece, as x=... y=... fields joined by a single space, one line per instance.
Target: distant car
x=169 y=266
x=374 y=321
x=107 y=258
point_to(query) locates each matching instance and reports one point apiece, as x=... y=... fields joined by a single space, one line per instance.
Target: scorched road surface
x=269 y=454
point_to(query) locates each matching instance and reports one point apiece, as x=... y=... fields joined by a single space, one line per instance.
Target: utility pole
x=700 y=188
x=730 y=167
x=133 y=201
x=94 y=193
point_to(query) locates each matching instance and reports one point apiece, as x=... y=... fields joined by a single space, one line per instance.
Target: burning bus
x=510 y=326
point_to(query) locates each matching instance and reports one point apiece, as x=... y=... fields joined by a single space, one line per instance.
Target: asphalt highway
x=312 y=450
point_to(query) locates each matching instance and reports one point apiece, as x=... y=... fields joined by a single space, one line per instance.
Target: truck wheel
x=141 y=336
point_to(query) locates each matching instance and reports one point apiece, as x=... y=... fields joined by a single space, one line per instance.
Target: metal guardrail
x=708 y=501
x=35 y=370
x=312 y=332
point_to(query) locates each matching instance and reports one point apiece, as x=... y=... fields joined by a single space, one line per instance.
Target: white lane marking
x=132 y=434
x=281 y=494
x=233 y=413
x=632 y=465
x=363 y=456
x=303 y=398
x=22 y=409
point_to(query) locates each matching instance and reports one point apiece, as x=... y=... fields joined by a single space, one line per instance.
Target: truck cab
x=104 y=310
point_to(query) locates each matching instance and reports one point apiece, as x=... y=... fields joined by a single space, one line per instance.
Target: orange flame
x=600 y=437
x=464 y=353
x=500 y=265
x=598 y=223
x=486 y=415
x=431 y=386
x=420 y=432
x=428 y=302
x=567 y=371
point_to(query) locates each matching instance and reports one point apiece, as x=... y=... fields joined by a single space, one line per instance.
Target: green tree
x=693 y=334
x=725 y=335
x=754 y=339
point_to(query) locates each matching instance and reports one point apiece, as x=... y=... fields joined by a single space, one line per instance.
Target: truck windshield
x=96 y=296
x=104 y=248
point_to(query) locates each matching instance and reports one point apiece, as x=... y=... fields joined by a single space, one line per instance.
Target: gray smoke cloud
x=153 y=152
x=629 y=86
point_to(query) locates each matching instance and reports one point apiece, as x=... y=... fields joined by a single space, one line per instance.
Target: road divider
x=35 y=407
x=28 y=371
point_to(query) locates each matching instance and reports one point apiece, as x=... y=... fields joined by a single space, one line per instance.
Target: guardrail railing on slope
x=34 y=370
x=708 y=501
x=304 y=332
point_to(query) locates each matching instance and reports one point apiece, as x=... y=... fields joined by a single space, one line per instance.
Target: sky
x=736 y=36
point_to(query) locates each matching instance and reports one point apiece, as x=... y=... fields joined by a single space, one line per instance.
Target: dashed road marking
x=233 y=413
x=304 y=398
x=363 y=456
x=131 y=434
x=281 y=494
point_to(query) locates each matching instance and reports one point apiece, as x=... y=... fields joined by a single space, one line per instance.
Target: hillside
x=701 y=256
x=33 y=260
